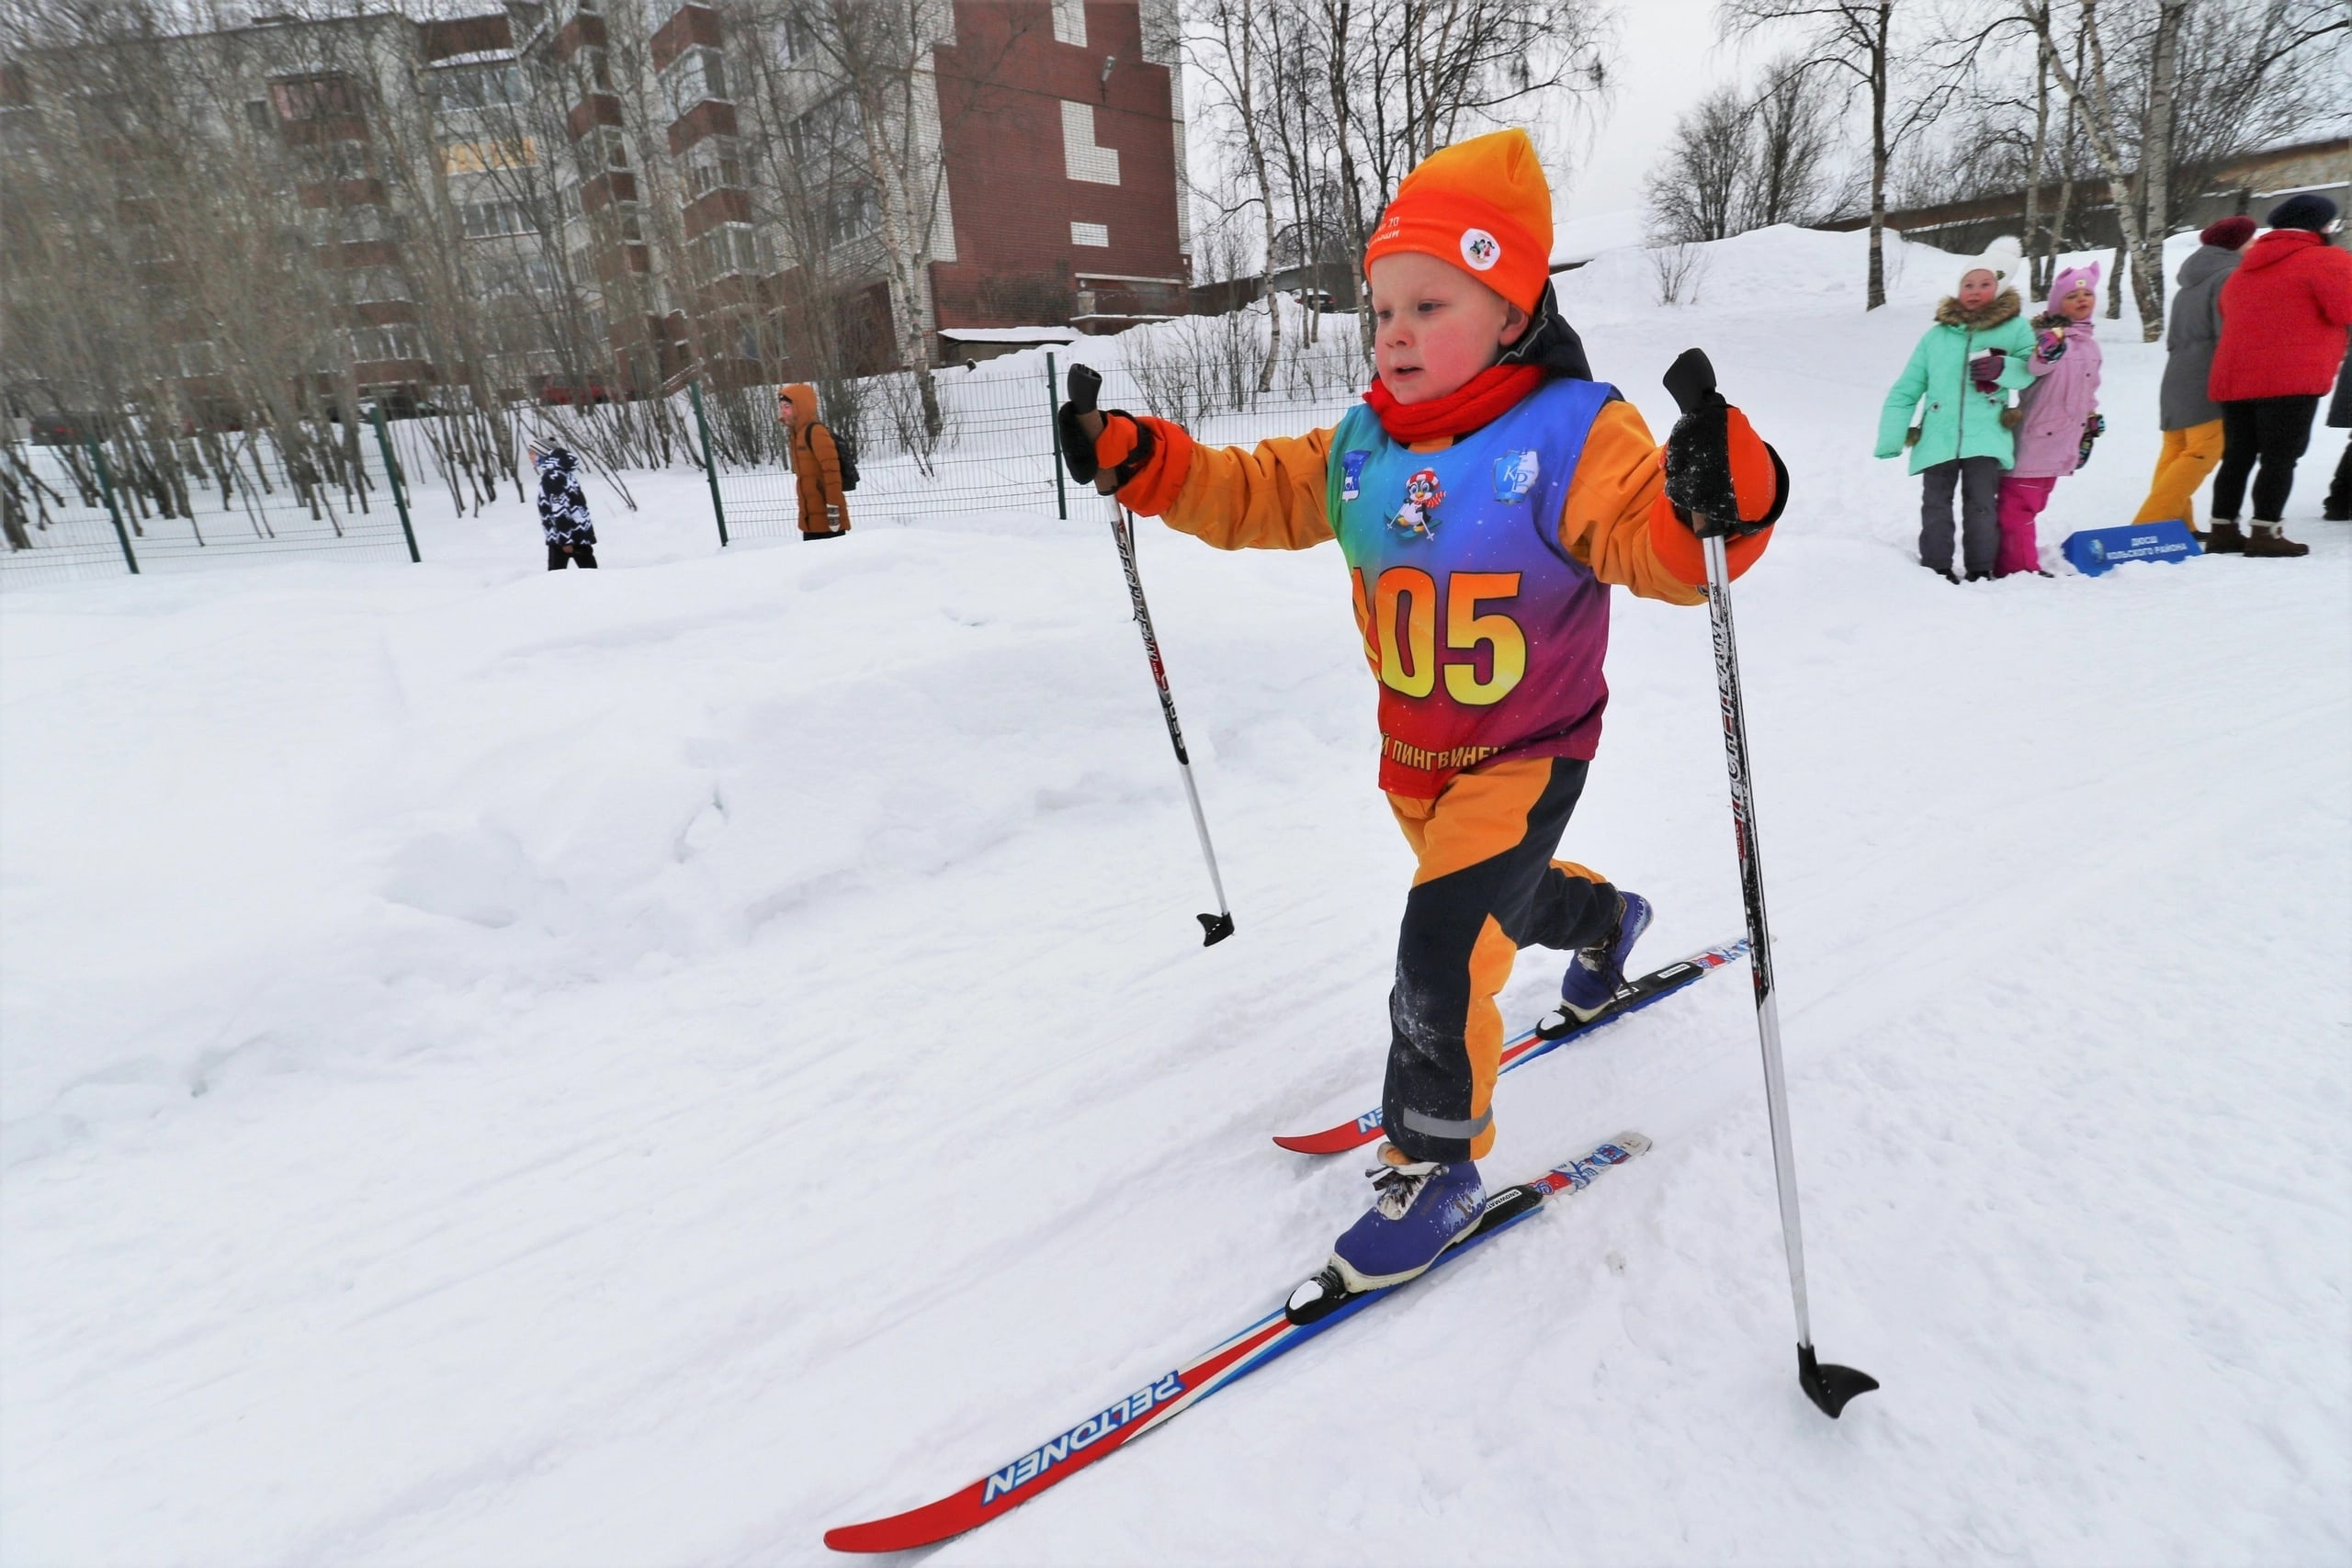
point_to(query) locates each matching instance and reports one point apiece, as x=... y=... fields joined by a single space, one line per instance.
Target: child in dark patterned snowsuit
x=564 y=509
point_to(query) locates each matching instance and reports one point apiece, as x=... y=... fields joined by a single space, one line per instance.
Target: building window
x=628 y=222
x=339 y=161
x=1081 y=159
x=1088 y=233
x=713 y=163
x=371 y=284
x=602 y=147
x=488 y=220
x=314 y=97
x=1069 y=22
x=461 y=89
x=833 y=125
x=350 y=225
x=481 y=157
x=727 y=249
x=399 y=341
x=852 y=213
x=260 y=116
x=692 y=78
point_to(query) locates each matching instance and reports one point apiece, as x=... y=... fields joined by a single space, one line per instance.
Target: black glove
x=1122 y=432
x=1714 y=459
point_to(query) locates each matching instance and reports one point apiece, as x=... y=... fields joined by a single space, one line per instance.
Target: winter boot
x=2271 y=539
x=1596 y=972
x=1421 y=1209
x=2222 y=538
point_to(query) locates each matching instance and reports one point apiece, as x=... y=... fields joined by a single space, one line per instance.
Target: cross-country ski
x=1314 y=1306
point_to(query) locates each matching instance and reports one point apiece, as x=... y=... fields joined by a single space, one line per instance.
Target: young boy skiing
x=1486 y=496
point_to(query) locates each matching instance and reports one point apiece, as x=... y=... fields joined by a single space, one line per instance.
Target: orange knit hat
x=1481 y=205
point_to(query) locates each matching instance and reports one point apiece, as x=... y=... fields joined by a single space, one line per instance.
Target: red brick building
x=1046 y=188
x=1063 y=133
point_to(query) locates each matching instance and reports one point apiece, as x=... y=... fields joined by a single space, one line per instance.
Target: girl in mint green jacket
x=1957 y=386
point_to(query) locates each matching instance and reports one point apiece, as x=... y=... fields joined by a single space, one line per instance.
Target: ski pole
x=1219 y=926
x=1691 y=380
x=1077 y=444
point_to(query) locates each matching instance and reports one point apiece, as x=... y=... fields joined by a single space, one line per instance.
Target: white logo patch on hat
x=1480 y=249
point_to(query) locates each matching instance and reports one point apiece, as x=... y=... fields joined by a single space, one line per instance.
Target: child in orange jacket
x=1486 y=495
x=815 y=464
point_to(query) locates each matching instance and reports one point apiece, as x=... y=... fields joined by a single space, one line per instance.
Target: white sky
x=1666 y=56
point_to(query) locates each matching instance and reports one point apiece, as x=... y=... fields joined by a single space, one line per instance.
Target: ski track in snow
x=639 y=1068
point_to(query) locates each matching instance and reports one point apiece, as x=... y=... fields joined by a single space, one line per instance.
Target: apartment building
x=596 y=197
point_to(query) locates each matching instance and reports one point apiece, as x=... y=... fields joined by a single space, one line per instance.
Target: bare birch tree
x=1233 y=64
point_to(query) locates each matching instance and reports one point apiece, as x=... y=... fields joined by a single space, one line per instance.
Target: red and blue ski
x=1554 y=1031
x=1312 y=1308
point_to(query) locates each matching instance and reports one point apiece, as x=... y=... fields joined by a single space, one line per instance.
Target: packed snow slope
x=641 y=1066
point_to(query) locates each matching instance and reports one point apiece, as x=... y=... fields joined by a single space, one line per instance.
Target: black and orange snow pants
x=1486 y=886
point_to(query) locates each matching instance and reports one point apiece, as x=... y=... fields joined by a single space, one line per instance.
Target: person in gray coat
x=2338 y=507
x=2190 y=417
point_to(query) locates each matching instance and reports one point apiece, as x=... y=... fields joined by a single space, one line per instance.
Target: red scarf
x=1478 y=402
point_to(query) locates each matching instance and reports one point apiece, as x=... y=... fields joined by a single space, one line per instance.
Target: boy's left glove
x=1720 y=477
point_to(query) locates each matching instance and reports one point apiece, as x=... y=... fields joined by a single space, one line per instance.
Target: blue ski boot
x=1423 y=1207
x=1596 y=972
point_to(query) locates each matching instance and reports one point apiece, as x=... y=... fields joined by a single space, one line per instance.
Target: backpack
x=846 y=450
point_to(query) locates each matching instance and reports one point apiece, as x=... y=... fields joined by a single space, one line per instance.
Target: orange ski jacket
x=815 y=466
x=1615 y=520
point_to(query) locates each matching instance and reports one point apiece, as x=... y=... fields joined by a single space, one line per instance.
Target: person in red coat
x=2284 y=312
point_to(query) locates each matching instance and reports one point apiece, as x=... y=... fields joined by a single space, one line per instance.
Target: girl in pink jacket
x=2060 y=414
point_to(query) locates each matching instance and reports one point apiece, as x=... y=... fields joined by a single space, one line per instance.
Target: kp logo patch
x=1422 y=497
x=1515 y=476
x=1351 y=474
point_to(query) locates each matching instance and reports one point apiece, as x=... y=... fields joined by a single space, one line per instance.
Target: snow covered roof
x=1577 y=240
x=1012 y=334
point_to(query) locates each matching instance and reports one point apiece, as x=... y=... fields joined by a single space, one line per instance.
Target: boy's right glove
x=1122 y=447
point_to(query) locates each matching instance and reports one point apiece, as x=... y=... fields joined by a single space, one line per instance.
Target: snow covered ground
x=639 y=1067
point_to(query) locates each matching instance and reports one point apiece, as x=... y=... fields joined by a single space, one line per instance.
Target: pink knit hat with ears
x=2071 y=278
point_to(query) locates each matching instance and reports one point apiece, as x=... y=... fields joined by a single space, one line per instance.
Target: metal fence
x=70 y=510
x=75 y=511
x=994 y=448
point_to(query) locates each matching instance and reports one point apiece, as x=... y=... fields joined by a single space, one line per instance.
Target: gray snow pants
x=1979 y=480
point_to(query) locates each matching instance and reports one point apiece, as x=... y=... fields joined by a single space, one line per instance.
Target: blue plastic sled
x=2094 y=550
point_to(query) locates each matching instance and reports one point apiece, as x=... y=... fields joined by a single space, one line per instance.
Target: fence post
x=114 y=510
x=709 y=465
x=1054 y=428
x=393 y=475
